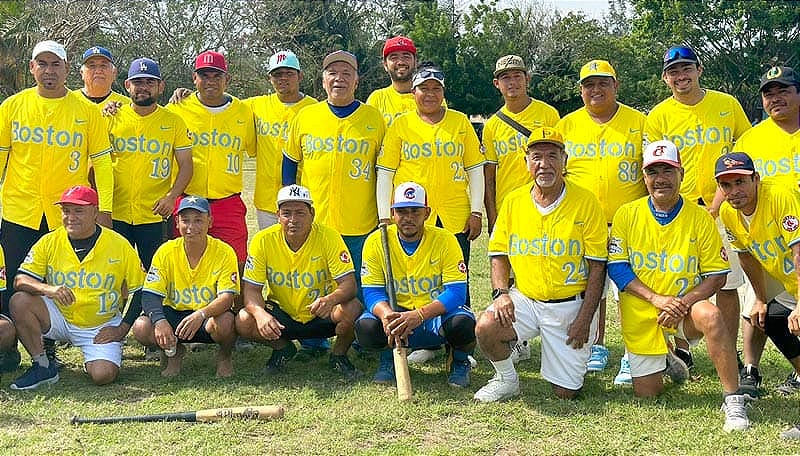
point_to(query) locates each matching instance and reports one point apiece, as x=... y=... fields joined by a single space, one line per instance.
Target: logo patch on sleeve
x=614 y=246
x=248 y=263
x=234 y=277
x=723 y=254
x=462 y=266
x=790 y=223
x=152 y=275
x=344 y=257
x=364 y=271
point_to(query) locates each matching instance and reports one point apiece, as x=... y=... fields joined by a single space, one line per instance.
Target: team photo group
x=124 y=219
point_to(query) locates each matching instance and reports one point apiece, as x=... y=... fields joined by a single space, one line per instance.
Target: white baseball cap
x=662 y=151
x=409 y=194
x=49 y=46
x=294 y=192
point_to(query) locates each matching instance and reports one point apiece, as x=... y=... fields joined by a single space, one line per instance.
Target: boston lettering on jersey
x=701 y=136
x=663 y=261
x=298 y=279
x=416 y=286
x=49 y=136
x=544 y=246
x=80 y=279
x=512 y=144
x=194 y=295
x=141 y=144
x=784 y=165
x=771 y=248
x=437 y=148
x=215 y=138
x=314 y=144
x=274 y=129
x=600 y=149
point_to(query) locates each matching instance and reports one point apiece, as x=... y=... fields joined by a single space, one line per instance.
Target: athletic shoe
x=687 y=358
x=36 y=376
x=791 y=434
x=676 y=369
x=735 y=414
x=459 y=370
x=385 y=373
x=152 y=353
x=473 y=363
x=750 y=382
x=279 y=358
x=598 y=359
x=307 y=354
x=342 y=364
x=9 y=360
x=50 y=351
x=624 y=375
x=520 y=352
x=421 y=356
x=791 y=385
x=497 y=389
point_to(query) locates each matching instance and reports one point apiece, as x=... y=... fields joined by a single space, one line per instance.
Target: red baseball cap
x=80 y=195
x=211 y=59
x=398 y=44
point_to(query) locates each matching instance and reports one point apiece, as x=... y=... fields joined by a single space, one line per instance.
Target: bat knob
x=74 y=419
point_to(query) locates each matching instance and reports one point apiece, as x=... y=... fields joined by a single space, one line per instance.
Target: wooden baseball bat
x=404 y=392
x=266 y=412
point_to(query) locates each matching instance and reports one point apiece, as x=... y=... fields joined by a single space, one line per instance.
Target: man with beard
x=400 y=62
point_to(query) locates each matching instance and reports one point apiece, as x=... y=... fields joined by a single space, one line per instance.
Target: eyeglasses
x=679 y=53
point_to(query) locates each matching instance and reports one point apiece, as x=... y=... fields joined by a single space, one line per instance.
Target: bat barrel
x=185 y=416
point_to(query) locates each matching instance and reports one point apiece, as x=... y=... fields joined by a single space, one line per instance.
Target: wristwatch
x=498 y=291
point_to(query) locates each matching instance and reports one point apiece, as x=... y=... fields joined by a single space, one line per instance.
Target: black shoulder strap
x=513 y=123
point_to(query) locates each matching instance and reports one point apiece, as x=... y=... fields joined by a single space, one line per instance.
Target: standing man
x=99 y=72
x=400 y=63
x=552 y=234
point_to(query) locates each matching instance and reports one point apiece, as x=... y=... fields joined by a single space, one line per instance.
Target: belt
x=571 y=298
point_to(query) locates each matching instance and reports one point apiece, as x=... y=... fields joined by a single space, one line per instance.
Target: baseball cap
x=80 y=195
x=197 y=203
x=545 y=135
x=734 y=163
x=427 y=74
x=294 y=192
x=283 y=59
x=49 y=46
x=144 y=68
x=662 y=151
x=211 y=59
x=509 y=62
x=779 y=75
x=399 y=44
x=680 y=54
x=98 y=51
x=409 y=194
x=597 y=68
x=340 y=56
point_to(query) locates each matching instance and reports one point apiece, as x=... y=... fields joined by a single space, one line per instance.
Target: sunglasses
x=680 y=53
x=428 y=73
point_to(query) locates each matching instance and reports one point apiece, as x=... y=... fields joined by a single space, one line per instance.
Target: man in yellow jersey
x=552 y=233
x=189 y=292
x=604 y=144
x=704 y=124
x=774 y=146
x=98 y=72
x=665 y=287
x=305 y=272
x=71 y=287
x=431 y=287
x=399 y=62
x=223 y=132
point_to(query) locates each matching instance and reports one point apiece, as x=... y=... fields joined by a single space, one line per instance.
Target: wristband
x=421 y=315
x=476 y=214
x=202 y=314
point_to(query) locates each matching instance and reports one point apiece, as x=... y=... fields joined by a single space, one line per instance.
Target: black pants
x=777 y=329
x=146 y=238
x=17 y=241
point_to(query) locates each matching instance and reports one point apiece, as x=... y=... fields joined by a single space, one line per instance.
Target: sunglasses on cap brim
x=680 y=53
x=430 y=73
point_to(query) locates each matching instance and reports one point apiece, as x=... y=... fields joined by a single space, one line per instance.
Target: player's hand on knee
x=578 y=333
x=321 y=307
x=108 y=334
x=794 y=321
x=163 y=334
x=269 y=328
x=61 y=294
x=189 y=326
x=504 y=310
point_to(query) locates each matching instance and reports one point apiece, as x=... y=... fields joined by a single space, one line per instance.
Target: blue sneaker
x=624 y=375
x=598 y=359
x=459 y=370
x=36 y=376
x=385 y=373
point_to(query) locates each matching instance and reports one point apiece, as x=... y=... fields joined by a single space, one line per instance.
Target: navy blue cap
x=197 y=203
x=734 y=163
x=144 y=68
x=98 y=51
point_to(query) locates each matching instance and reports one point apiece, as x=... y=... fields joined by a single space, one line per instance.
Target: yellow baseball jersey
x=505 y=146
x=46 y=145
x=186 y=288
x=702 y=133
x=337 y=157
x=391 y=103
x=219 y=143
x=606 y=159
x=143 y=160
x=438 y=158
x=775 y=153
x=2 y=269
x=548 y=253
x=113 y=96
x=295 y=279
x=97 y=281
x=419 y=278
x=772 y=231
x=670 y=259
x=272 y=119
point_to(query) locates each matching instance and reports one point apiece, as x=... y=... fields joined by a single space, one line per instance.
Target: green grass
x=326 y=416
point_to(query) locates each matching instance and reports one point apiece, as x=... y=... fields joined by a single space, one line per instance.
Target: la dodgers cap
x=49 y=46
x=97 y=51
x=399 y=44
x=283 y=59
x=294 y=192
x=734 y=163
x=211 y=59
x=144 y=68
x=340 y=56
x=597 y=68
x=661 y=151
x=508 y=63
x=409 y=194
x=545 y=135
x=80 y=195
x=197 y=203
x=779 y=75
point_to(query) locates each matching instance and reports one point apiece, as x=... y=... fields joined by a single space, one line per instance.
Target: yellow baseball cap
x=545 y=135
x=597 y=68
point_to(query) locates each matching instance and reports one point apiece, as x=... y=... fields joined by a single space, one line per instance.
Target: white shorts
x=562 y=365
x=266 y=219
x=83 y=338
x=774 y=290
x=735 y=278
x=643 y=365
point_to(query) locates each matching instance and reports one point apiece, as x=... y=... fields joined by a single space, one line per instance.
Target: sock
x=42 y=360
x=505 y=368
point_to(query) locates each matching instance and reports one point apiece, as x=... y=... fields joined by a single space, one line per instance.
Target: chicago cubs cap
x=197 y=203
x=597 y=68
x=340 y=56
x=409 y=194
x=283 y=59
x=97 y=51
x=49 y=46
x=80 y=195
x=680 y=54
x=662 y=151
x=508 y=63
x=545 y=135
x=144 y=68
x=294 y=192
x=734 y=163
x=399 y=44
x=211 y=59
x=779 y=75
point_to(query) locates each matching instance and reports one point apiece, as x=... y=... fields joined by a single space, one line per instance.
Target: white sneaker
x=472 y=361
x=624 y=375
x=421 y=356
x=497 y=390
x=735 y=413
x=520 y=352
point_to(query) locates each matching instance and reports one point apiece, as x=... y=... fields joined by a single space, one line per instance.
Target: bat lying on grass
x=267 y=412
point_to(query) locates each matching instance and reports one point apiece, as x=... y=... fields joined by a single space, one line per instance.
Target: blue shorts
x=355 y=244
x=430 y=333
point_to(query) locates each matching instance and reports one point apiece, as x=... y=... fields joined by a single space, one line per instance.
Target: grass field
x=326 y=416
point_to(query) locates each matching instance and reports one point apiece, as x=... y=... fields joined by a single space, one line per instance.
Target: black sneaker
x=750 y=382
x=307 y=354
x=50 y=351
x=279 y=358
x=9 y=360
x=685 y=356
x=342 y=364
x=791 y=385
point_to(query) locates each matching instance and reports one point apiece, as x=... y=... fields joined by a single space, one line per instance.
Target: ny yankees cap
x=508 y=63
x=197 y=203
x=399 y=44
x=80 y=195
x=734 y=163
x=662 y=151
x=545 y=135
x=211 y=59
x=779 y=75
x=680 y=54
x=409 y=194
x=49 y=46
x=283 y=59
x=144 y=68
x=340 y=56
x=97 y=51
x=294 y=192
x=597 y=68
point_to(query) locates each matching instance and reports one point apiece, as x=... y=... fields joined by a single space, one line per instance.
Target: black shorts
x=318 y=328
x=174 y=317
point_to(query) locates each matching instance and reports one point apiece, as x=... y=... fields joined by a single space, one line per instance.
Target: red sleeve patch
x=790 y=223
x=462 y=266
x=344 y=257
